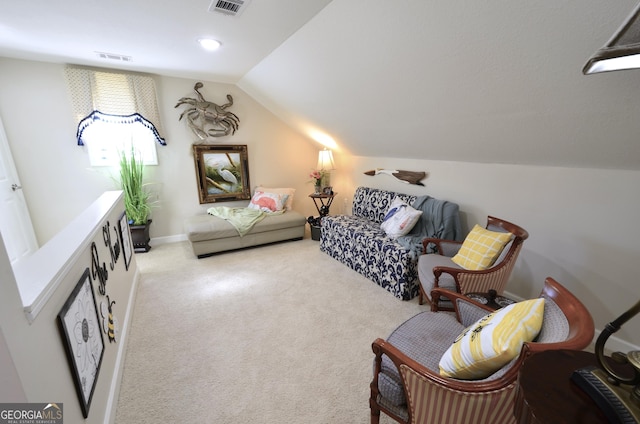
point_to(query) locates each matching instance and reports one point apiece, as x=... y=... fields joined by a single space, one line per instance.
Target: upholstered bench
x=209 y=234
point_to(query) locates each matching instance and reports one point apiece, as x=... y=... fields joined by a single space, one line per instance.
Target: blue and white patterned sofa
x=358 y=241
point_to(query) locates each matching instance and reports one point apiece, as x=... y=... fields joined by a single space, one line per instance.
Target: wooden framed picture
x=328 y=190
x=125 y=239
x=222 y=172
x=79 y=326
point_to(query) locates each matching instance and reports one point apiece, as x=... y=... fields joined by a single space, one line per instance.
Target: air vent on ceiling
x=113 y=56
x=229 y=7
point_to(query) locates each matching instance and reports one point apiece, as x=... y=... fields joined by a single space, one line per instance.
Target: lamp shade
x=325 y=160
x=621 y=52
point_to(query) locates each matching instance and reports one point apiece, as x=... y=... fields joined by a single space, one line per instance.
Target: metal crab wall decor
x=207 y=119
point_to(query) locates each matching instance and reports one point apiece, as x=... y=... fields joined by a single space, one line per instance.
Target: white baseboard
x=114 y=391
x=156 y=241
x=616 y=344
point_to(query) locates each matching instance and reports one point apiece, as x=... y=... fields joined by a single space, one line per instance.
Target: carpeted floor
x=275 y=334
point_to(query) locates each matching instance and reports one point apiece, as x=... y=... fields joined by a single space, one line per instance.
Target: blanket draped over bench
x=243 y=219
x=358 y=241
x=209 y=234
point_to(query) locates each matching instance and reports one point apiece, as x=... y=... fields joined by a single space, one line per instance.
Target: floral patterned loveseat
x=358 y=241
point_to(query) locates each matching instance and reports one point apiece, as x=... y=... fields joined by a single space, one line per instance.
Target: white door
x=15 y=222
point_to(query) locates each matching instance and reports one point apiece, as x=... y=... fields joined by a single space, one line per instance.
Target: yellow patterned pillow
x=481 y=248
x=493 y=341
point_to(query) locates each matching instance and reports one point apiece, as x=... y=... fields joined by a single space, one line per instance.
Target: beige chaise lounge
x=209 y=234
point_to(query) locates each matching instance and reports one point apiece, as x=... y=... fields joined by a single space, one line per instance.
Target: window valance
x=134 y=119
x=115 y=97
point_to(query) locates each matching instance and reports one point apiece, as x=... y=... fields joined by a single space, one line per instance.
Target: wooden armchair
x=408 y=387
x=438 y=270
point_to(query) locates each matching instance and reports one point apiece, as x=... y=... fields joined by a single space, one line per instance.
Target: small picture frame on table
x=328 y=191
x=79 y=327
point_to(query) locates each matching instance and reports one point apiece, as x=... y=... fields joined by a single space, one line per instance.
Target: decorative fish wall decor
x=407 y=177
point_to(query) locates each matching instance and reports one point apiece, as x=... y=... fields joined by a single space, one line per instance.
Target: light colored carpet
x=275 y=334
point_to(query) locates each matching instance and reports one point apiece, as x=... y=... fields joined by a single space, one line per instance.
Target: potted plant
x=136 y=200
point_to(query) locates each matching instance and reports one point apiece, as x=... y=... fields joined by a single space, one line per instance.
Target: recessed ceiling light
x=209 y=43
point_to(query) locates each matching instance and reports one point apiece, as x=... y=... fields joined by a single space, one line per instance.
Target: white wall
x=34 y=351
x=58 y=184
x=11 y=388
x=582 y=223
x=58 y=181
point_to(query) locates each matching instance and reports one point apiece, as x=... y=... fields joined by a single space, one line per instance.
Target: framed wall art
x=125 y=239
x=222 y=172
x=79 y=326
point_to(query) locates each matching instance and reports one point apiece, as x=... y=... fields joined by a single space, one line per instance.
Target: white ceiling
x=160 y=35
x=486 y=81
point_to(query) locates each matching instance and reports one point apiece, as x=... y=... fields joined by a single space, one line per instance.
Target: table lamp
x=325 y=165
x=622 y=51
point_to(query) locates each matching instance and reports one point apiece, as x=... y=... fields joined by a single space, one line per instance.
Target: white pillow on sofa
x=285 y=191
x=400 y=218
x=267 y=202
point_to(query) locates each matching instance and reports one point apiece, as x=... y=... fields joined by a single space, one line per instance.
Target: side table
x=325 y=202
x=491 y=299
x=323 y=210
x=545 y=393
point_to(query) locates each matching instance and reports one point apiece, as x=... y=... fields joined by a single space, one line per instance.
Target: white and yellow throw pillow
x=493 y=341
x=481 y=248
x=399 y=219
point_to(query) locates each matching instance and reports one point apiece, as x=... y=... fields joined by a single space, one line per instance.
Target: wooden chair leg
x=375 y=419
x=375 y=412
x=435 y=300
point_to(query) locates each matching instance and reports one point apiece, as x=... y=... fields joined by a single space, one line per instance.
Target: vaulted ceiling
x=490 y=81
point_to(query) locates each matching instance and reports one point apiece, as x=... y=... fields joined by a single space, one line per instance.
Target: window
x=107 y=135
x=115 y=111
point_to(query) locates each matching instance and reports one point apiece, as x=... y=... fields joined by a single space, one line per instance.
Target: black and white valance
x=134 y=119
x=99 y=96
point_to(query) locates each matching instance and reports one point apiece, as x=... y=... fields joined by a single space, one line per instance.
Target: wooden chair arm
x=581 y=325
x=454 y=272
x=469 y=281
x=381 y=347
x=454 y=297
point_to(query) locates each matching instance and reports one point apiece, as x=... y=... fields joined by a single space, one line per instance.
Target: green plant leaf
x=136 y=198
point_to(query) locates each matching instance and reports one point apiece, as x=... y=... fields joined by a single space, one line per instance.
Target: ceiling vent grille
x=113 y=56
x=229 y=7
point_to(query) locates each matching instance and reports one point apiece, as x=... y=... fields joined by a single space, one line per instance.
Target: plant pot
x=140 y=237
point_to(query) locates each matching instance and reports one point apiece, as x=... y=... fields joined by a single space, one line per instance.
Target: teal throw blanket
x=439 y=219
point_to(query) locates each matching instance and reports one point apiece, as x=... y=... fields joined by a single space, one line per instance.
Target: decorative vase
x=318 y=188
